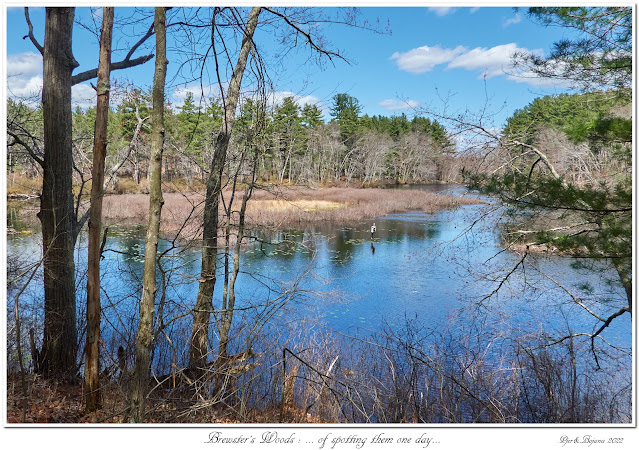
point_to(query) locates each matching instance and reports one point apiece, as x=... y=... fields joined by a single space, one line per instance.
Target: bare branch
x=603 y=327
x=30 y=35
x=544 y=159
x=124 y=64
x=148 y=34
x=308 y=37
x=27 y=147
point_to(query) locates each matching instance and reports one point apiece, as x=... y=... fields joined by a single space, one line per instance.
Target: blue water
x=439 y=269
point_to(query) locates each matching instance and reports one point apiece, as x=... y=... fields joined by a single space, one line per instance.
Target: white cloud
x=488 y=62
x=83 y=95
x=395 y=104
x=24 y=88
x=532 y=79
x=24 y=77
x=491 y=61
x=24 y=64
x=442 y=10
x=200 y=93
x=278 y=97
x=424 y=59
x=24 y=81
x=513 y=20
x=474 y=10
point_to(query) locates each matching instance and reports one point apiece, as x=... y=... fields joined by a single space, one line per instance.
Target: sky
x=417 y=59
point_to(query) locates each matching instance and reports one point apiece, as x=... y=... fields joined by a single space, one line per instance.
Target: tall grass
x=282 y=208
x=296 y=371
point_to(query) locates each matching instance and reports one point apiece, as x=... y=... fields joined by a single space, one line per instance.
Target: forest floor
x=51 y=402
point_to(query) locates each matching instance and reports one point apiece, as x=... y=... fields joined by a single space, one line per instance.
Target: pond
x=437 y=268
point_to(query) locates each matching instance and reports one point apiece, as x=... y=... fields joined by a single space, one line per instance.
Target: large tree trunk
x=92 y=363
x=140 y=382
x=59 y=346
x=204 y=301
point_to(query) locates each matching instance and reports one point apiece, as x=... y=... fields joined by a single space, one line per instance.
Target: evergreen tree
x=600 y=56
x=126 y=111
x=591 y=220
x=311 y=116
x=287 y=125
x=345 y=111
x=190 y=124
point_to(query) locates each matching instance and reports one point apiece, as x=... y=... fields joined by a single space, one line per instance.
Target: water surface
x=438 y=269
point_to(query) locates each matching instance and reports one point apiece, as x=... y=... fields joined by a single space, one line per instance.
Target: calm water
x=432 y=267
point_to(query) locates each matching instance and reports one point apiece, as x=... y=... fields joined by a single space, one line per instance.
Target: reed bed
x=282 y=207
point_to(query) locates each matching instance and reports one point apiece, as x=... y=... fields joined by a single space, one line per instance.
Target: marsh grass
x=281 y=208
x=18 y=184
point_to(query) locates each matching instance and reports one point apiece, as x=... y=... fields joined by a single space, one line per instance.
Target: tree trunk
x=140 y=381
x=93 y=397
x=59 y=346
x=204 y=300
x=228 y=306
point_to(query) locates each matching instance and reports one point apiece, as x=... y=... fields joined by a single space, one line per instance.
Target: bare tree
x=204 y=301
x=92 y=363
x=60 y=223
x=144 y=338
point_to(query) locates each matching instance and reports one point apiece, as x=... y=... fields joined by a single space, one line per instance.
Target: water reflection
x=417 y=264
x=344 y=243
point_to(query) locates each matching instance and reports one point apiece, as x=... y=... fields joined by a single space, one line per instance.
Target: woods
x=197 y=329
x=302 y=147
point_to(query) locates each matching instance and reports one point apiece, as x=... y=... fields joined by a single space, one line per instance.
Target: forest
x=300 y=146
x=165 y=261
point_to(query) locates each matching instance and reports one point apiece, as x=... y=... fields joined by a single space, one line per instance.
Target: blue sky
x=425 y=58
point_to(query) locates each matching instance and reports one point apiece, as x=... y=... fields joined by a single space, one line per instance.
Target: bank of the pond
x=281 y=207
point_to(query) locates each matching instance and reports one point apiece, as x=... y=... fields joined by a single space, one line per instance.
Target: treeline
x=586 y=137
x=299 y=145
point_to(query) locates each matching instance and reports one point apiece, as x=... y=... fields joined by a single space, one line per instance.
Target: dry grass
x=18 y=185
x=344 y=205
x=285 y=207
x=280 y=208
x=303 y=205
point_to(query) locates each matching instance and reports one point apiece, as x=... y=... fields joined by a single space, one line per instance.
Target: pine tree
x=589 y=219
x=345 y=112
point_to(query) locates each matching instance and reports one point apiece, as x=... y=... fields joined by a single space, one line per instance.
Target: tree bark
x=59 y=346
x=93 y=398
x=228 y=306
x=144 y=341
x=204 y=301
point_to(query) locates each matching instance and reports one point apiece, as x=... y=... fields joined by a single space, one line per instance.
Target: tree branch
x=603 y=327
x=544 y=159
x=124 y=64
x=30 y=151
x=307 y=36
x=30 y=35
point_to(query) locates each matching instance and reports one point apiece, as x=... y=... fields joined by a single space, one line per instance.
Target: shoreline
x=282 y=208
x=273 y=208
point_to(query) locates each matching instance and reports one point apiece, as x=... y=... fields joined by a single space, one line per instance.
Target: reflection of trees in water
x=342 y=242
